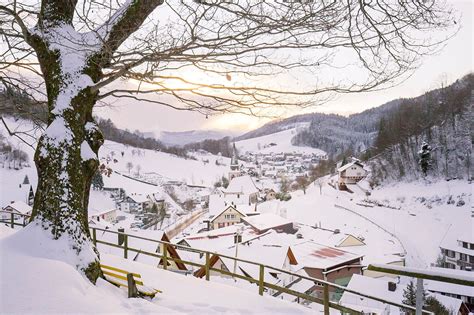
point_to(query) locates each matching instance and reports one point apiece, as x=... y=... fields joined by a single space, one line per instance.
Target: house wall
x=350 y=241
x=224 y=218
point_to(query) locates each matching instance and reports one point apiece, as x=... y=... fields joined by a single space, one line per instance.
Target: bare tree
x=303 y=183
x=138 y=168
x=206 y=56
x=320 y=183
x=129 y=166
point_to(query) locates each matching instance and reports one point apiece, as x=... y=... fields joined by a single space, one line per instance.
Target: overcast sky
x=454 y=61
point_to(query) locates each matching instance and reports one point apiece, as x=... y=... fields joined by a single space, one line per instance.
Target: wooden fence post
x=326 y=299
x=12 y=220
x=132 y=286
x=125 y=246
x=165 y=257
x=261 y=280
x=419 y=295
x=207 y=266
x=94 y=236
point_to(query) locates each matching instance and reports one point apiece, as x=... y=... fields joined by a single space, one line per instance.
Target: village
x=246 y=216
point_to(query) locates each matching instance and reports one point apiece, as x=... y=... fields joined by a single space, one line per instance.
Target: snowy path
x=176 y=230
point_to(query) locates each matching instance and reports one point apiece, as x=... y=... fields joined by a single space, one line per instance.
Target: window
x=465 y=245
x=463 y=257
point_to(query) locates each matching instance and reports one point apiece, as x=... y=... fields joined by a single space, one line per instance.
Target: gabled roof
x=243 y=185
x=138 y=198
x=346 y=166
x=313 y=255
x=266 y=221
x=20 y=206
x=219 y=214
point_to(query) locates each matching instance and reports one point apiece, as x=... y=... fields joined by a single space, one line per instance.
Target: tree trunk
x=66 y=160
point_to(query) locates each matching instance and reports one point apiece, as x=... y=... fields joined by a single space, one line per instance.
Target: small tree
x=284 y=185
x=225 y=182
x=154 y=208
x=129 y=166
x=138 y=168
x=409 y=295
x=303 y=182
x=320 y=183
x=435 y=306
x=425 y=158
x=97 y=181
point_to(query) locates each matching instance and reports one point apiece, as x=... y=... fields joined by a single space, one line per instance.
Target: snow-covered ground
x=39 y=277
x=160 y=166
x=417 y=225
x=281 y=141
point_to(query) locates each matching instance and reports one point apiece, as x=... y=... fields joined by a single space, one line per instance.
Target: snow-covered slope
x=276 y=142
x=160 y=167
x=39 y=279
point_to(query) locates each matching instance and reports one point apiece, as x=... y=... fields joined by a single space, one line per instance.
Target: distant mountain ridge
x=332 y=133
x=181 y=138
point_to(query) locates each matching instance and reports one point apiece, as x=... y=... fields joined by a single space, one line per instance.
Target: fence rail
x=260 y=282
x=12 y=218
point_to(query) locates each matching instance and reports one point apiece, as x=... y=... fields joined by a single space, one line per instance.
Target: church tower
x=234 y=164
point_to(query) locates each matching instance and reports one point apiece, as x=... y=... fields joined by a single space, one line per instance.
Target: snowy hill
x=276 y=142
x=184 y=137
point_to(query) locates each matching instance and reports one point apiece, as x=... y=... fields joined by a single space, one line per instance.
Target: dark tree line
x=222 y=146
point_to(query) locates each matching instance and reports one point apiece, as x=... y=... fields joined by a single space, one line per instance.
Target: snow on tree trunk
x=66 y=156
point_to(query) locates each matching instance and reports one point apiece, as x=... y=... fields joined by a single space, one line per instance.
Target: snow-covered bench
x=130 y=280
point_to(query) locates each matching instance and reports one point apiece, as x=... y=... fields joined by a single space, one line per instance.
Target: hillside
x=275 y=142
x=442 y=119
x=181 y=138
x=331 y=133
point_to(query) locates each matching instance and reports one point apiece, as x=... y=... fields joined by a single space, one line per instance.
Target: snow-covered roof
x=218 y=203
x=346 y=166
x=242 y=184
x=450 y=240
x=138 y=198
x=20 y=206
x=266 y=221
x=313 y=255
x=100 y=203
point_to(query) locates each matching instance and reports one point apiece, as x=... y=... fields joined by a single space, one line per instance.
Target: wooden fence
x=260 y=282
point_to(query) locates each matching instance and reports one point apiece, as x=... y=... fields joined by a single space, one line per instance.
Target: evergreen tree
x=435 y=306
x=425 y=157
x=225 y=182
x=97 y=181
x=409 y=295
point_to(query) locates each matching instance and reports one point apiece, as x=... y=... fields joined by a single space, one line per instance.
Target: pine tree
x=409 y=295
x=425 y=157
x=97 y=181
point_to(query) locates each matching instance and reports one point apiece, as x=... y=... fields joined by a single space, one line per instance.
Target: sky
x=454 y=61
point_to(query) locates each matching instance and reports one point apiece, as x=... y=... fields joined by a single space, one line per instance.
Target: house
x=134 y=203
x=244 y=188
x=461 y=292
x=266 y=221
x=101 y=207
x=17 y=207
x=457 y=248
x=389 y=290
x=109 y=215
x=228 y=216
x=351 y=173
x=327 y=263
x=270 y=194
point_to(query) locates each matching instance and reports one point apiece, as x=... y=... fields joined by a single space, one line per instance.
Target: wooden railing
x=13 y=219
x=260 y=282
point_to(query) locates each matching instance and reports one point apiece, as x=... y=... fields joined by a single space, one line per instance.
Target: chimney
x=392 y=286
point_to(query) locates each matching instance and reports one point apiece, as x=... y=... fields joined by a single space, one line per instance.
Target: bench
x=133 y=282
